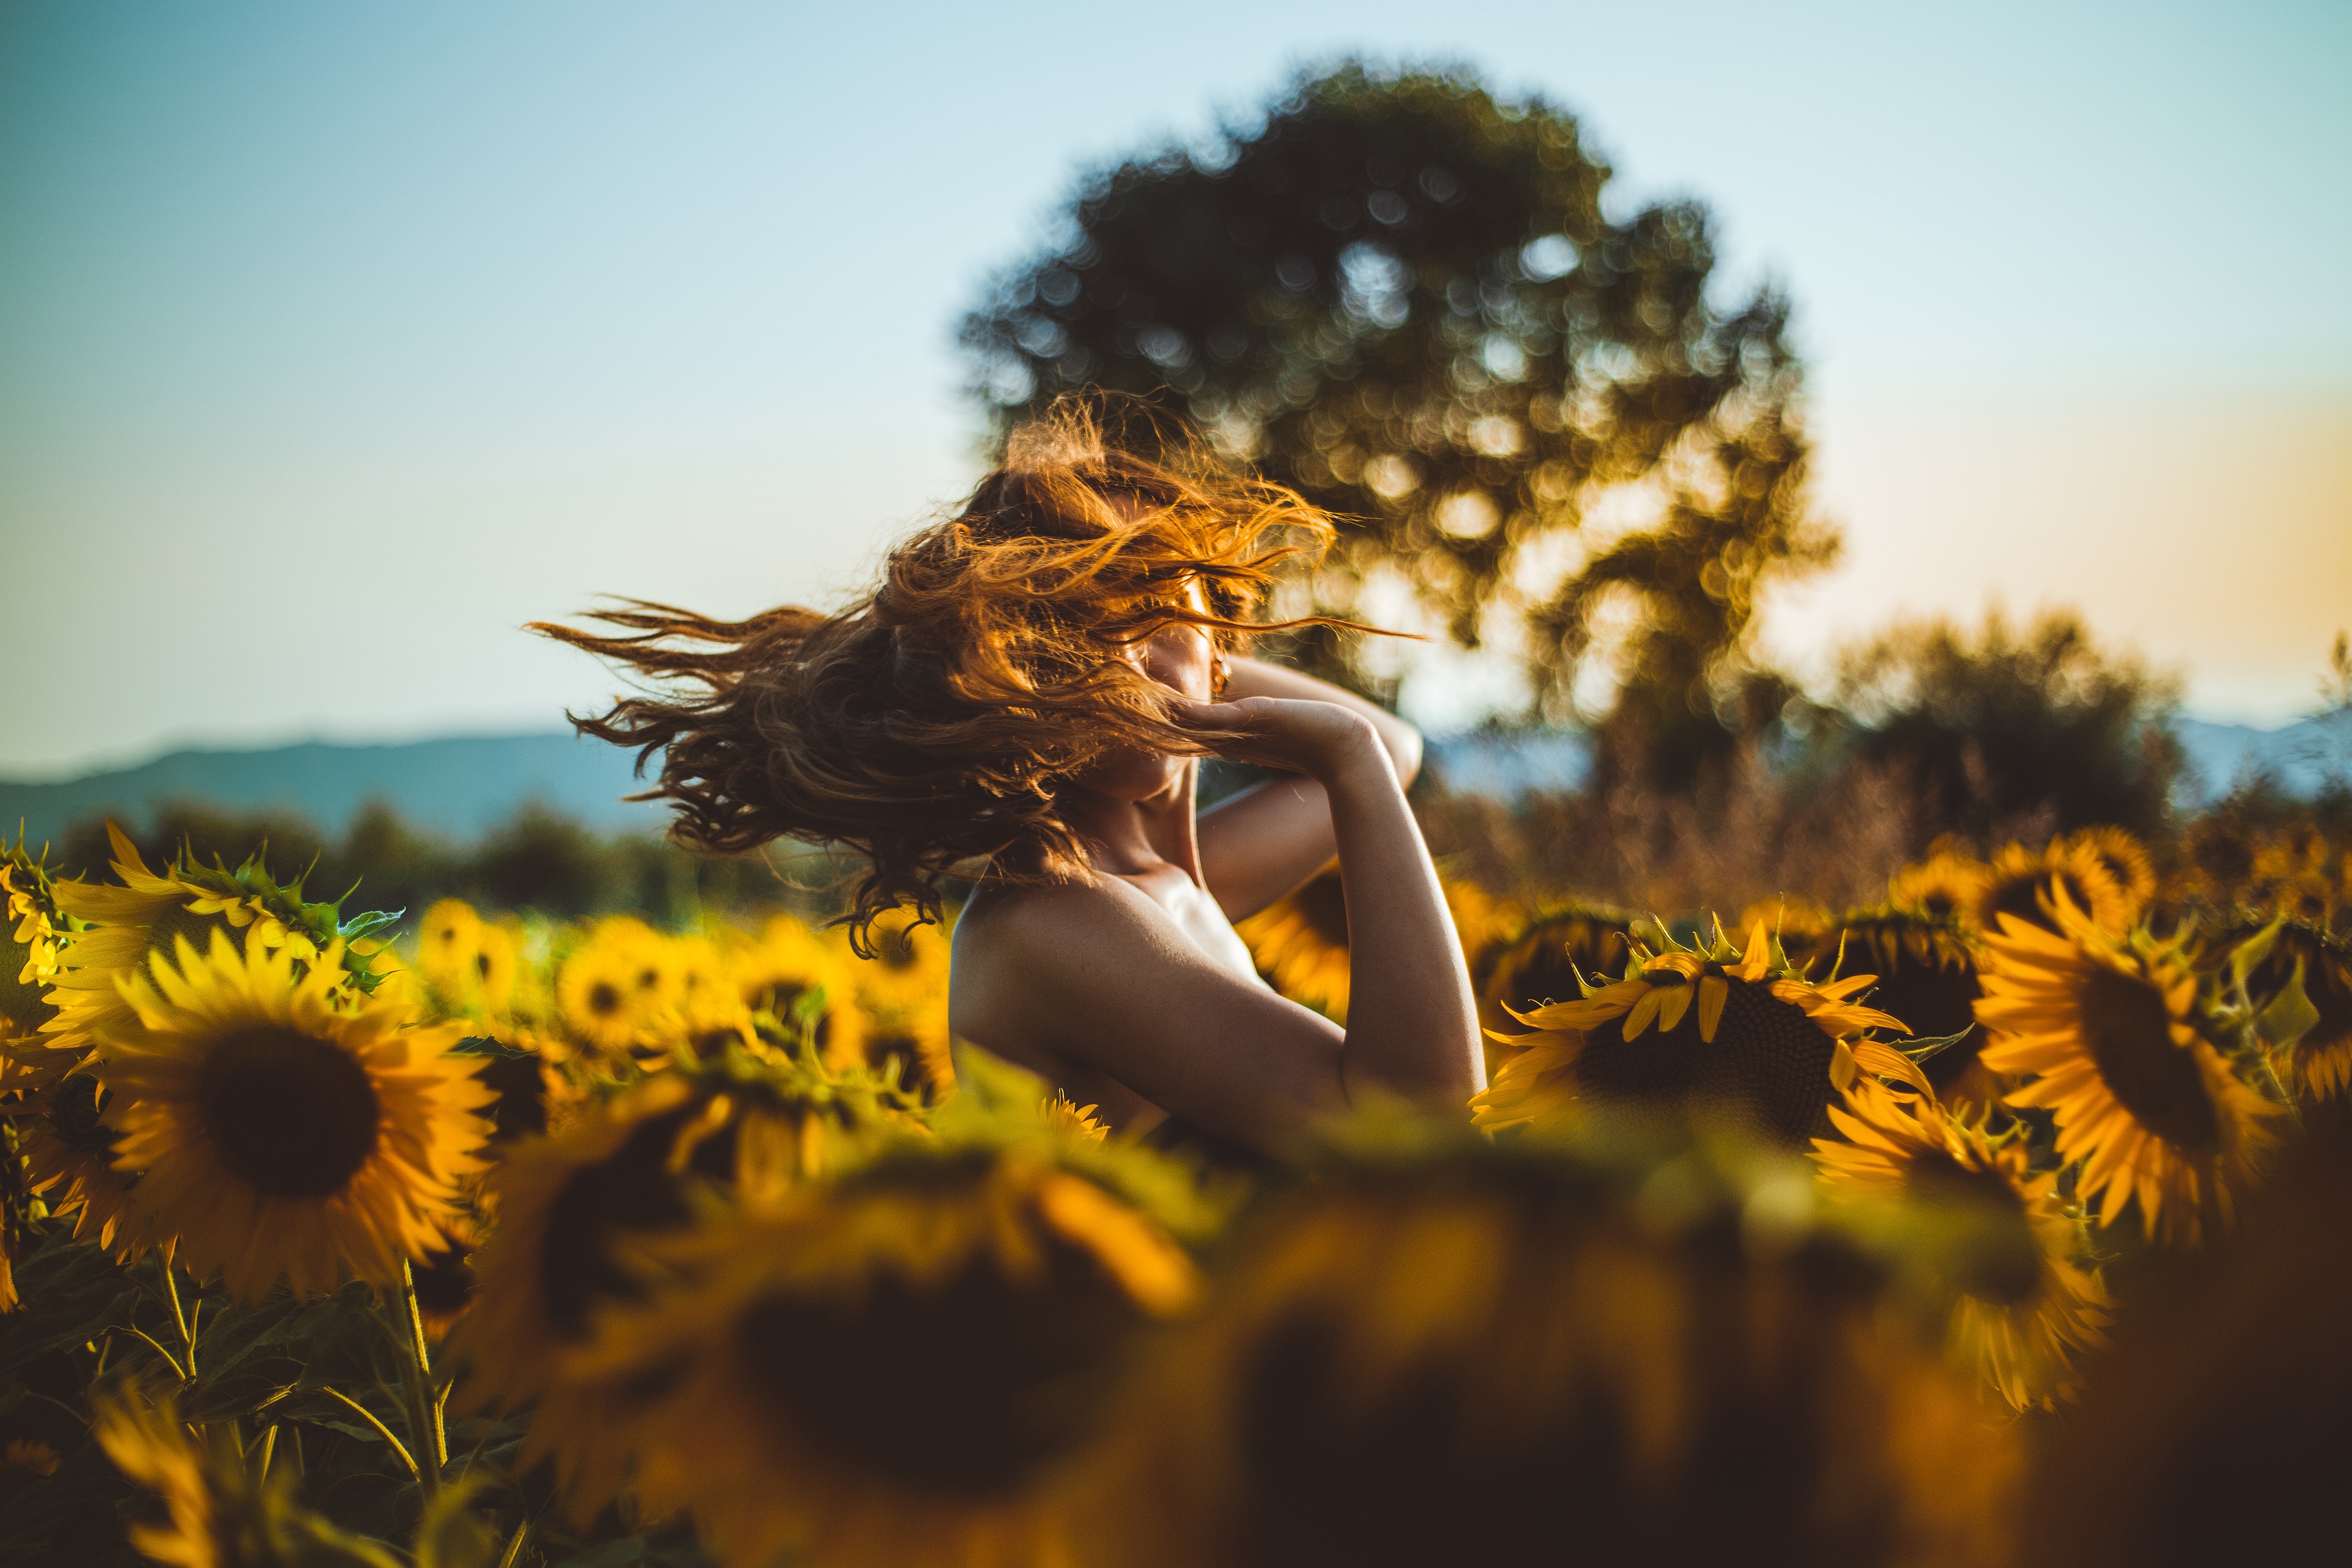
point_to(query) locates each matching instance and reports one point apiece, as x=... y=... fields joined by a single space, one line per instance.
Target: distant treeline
x=538 y=859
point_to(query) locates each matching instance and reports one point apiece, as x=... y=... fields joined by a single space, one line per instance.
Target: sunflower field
x=1997 y=1223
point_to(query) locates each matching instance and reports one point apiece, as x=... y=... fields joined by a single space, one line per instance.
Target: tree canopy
x=1402 y=297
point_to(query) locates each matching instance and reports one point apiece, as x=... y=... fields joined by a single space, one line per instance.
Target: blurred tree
x=1998 y=729
x=1401 y=297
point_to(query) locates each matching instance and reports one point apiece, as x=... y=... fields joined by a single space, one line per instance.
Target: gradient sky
x=336 y=341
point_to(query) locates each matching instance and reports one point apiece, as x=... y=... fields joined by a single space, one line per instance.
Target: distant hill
x=2301 y=758
x=456 y=788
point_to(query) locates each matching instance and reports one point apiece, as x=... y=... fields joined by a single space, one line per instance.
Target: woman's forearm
x=1412 y=1028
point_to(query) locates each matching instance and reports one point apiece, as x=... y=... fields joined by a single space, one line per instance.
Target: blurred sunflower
x=220 y=1512
x=613 y=986
x=575 y=1211
x=2110 y=1029
x=1300 y=944
x=1797 y=924
x=2299 y=953
x=1550 y=958
x=1447 y=1349
x=568 y=1208
x=788 y=975
x=2126 y=859
x=1482 y=922
x=902 y=992
x=2005 y=1249
x=909 y=966
x=1947 y=886
x=1737 y=1032
x=893 y=1368
x=277 y=1132
x=2023 y=883
x=69 y=1156
x=471 y=963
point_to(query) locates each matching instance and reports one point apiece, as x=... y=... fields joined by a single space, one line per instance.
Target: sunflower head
x=69 y=1155
x=1447 y=1349
x=2118 y=1044
x=28 y=957
x=1300 y=944
x=800 y=990
x=1947 y=886
x=279 y=1128
x=2021 y=883
x=2124 y=857
x=1549 y=959
x=1927 y=971
x=2297 y=979
x=1709 y=1029
x=472 y=965
x=118 y=929
x=891 y=1367
x=1985 y=1238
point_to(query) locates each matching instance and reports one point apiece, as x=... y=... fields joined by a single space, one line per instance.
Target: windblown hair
x=931 y=725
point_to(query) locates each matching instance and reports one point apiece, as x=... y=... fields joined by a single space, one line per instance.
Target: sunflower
x=276 y=1132
x=470 y=962
x=902 y=992
x=1300 y=944
x=1550 y=958
x=797 y=988
x=30 y=1455
x=1737 y=1032
x=1444 y=1350
x=145 y=916
x=1797 y=923
x=1945 y=886
x=895 y=1368
x=2021 y=883
x=909 y=967
x=1926 y=972
x=70 y=1157
x=575 y=1210
x=28 y=959
x=2111 y=1030
x=612 y=988
x=1482 y=922
x=2300 y=953
x=2020 y=1305
x=567 y=1208
x=2126 y=859
x=220 y=1512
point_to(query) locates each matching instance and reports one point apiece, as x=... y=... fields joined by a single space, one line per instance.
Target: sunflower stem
x=514 y=1545
x=269 y=1447
x=398 y=1447
x=430 y=1431
x=179 y=1317
x=169 y=1359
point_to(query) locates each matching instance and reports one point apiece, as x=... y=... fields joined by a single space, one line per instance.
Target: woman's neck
x=1138 y=837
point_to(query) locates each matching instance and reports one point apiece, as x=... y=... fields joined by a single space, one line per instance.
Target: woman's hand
x=1295 y=734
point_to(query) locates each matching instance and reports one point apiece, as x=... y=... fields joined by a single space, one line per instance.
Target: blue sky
x=337 y=340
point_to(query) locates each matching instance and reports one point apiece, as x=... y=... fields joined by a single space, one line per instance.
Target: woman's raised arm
x=1273 y=836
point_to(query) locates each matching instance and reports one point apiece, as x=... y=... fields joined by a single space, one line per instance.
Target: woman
x=1024 y=701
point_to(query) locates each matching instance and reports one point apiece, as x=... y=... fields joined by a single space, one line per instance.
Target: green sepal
x=2290 y=1016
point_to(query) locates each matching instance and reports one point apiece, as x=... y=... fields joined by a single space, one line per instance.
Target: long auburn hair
x=930 y=725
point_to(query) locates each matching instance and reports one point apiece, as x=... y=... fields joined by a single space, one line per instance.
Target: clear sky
x=336 y=341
